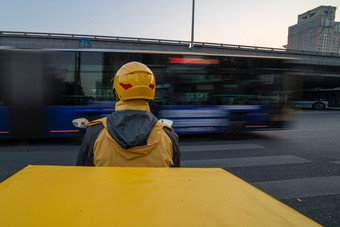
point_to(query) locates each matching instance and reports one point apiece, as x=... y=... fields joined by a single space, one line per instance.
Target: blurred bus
x=312 y=99
x=42 y=91
x=319 y=87
x=318 y=99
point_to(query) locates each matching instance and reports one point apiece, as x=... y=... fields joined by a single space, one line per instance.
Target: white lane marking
x=242 y=162
x=220 y=147
x=336 y=162
x=301 y=187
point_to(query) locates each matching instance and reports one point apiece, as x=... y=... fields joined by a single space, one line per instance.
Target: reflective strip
x=256 y=126
x=3 y=132
x=64 y=130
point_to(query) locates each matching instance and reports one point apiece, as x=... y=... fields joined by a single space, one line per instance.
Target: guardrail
x=163 y=41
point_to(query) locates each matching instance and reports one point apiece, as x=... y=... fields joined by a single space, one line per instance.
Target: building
x=316 y=30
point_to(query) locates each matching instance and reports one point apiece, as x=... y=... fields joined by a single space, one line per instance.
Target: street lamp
x=192 y=24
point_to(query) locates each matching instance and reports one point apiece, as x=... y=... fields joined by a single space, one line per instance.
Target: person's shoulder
x=95 y=127
x=164 y=126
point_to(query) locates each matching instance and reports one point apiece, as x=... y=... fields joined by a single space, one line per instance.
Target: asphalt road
x=299 y=166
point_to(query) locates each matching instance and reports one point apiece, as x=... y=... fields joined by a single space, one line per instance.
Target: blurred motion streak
x=64 y=130
x=42 y=91
x=193 y=61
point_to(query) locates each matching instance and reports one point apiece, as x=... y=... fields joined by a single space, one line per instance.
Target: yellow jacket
x=130 y=136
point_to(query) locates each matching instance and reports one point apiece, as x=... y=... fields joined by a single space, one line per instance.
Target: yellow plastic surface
x=110 y=196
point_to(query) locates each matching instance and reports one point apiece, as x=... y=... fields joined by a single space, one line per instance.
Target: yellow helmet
x=135 y=80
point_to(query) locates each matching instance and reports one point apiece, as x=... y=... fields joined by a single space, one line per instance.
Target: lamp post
x=192 y=24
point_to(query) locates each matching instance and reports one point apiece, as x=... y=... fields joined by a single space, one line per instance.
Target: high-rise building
x=316 y=30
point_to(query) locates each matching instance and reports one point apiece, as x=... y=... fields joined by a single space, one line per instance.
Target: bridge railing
x=162 y=41
x=93 y=37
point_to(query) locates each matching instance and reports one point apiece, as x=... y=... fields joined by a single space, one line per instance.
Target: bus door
x=5 y=85
x=26 y=94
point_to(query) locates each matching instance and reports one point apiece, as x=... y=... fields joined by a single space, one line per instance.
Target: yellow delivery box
x=111 y=196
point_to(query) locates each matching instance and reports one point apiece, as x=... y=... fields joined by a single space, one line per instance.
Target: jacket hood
x=130 y=128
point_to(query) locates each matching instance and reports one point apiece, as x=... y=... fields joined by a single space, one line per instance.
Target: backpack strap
x=165 y=125
x=176 y=158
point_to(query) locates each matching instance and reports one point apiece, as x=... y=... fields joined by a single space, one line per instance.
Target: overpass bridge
x=34 y=40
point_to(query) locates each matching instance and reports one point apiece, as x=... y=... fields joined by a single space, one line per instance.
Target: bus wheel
x=318 y=106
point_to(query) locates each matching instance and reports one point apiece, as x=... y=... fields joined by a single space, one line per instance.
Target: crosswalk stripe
x=220 y=147
x=279 y=189
x=302 y=187
x=242 y=162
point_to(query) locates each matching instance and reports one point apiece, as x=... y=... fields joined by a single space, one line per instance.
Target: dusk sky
x=244 y=22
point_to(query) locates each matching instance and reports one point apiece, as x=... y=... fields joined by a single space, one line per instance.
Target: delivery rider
x=131 y=136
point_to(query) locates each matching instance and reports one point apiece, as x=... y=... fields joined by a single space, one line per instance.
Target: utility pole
x=192 y=25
